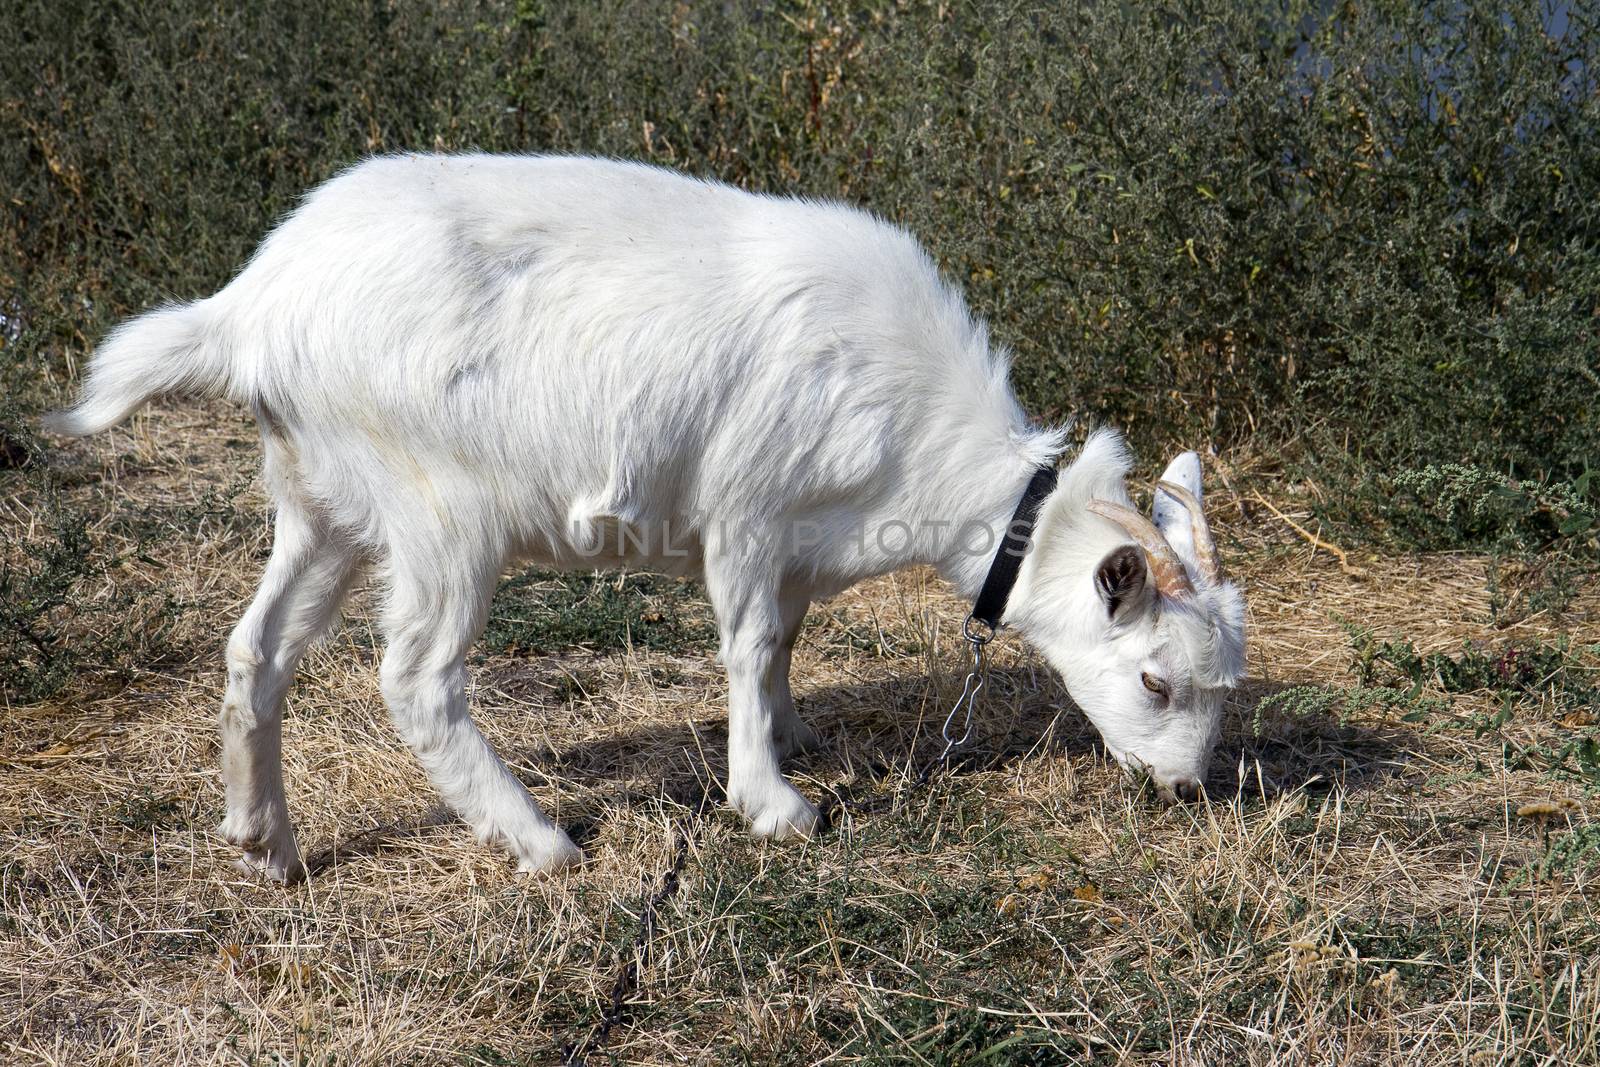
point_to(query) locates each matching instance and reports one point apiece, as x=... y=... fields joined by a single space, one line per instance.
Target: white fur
x=461 y=361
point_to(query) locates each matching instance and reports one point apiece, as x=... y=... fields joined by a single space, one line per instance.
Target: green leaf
x=1576 y=523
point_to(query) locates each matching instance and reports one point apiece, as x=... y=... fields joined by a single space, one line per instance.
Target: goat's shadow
x=377 y=839
x=876 y=737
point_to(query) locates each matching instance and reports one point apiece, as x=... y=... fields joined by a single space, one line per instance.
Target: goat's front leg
x=754 y=637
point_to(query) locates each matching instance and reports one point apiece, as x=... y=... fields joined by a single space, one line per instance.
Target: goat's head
x=1134 y=613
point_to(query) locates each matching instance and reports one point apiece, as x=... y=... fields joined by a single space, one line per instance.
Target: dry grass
x=1354 y=892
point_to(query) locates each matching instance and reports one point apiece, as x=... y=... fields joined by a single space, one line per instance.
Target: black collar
x=991 y=604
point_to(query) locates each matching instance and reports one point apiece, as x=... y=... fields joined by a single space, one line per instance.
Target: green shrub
x=1371 y=229
x=1453 y=503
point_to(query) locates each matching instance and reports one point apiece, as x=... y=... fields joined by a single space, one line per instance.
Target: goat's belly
x=610 y=545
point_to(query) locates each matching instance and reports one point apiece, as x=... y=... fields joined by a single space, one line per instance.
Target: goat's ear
x=1169 y=515
x=1121 y=579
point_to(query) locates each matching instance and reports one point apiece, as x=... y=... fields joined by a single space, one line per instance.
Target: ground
x=1358 y=888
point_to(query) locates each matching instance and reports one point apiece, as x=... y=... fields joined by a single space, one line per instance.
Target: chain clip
x=978 y=634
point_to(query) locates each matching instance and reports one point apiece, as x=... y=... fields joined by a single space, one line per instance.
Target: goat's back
x=518 y=344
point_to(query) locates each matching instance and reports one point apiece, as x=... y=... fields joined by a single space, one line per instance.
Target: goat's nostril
x=1186 y=790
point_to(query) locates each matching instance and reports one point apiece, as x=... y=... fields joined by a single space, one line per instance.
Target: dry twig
x=1315 y=541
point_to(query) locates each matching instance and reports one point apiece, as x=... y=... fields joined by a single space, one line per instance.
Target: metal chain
x=638 y=953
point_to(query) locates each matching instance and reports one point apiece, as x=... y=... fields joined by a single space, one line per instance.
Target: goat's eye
x=1154 y=684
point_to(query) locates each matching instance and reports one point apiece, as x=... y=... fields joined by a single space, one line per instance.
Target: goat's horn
x=1171 y=579
x=1205 y=549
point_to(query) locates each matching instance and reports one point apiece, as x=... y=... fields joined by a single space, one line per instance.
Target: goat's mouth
x=1171 y=788
x=1183 y=790
x=1178 y=791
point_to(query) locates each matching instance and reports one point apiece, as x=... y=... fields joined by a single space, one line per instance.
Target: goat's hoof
x=271 y=854
x=558 y=856
x=259 y=863
x=787 y=816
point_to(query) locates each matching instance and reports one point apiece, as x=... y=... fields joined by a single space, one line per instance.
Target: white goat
x=458 y=361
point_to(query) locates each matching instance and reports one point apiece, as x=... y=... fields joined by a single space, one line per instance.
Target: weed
x=1344 y=703
x=1569 y=852
x=145 y=811
x=1456 y=504
x=1542 y=533
x=1552 y=684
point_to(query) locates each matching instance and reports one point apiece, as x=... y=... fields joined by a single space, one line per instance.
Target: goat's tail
x=171 y=349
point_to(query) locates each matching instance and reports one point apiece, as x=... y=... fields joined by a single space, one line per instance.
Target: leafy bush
x=1371 y=229
x=1453 y=503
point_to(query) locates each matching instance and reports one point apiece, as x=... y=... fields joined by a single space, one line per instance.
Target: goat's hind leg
x=301 y=591
x=434 y=613
x=791 y=734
